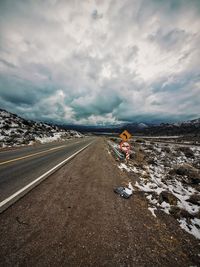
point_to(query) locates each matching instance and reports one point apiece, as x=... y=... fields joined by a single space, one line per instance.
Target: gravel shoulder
x=74 y=219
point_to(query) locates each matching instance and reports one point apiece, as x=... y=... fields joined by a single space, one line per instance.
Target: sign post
x=124 y=145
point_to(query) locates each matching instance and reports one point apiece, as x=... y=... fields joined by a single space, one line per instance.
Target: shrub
x=187 y=151
x=167 y=197
x=140 y=140
x=6 y=127
x=187 y=170
x=113 y=139
x=167 y=149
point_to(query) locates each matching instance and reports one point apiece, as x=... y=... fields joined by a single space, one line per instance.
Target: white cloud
x=114 y=60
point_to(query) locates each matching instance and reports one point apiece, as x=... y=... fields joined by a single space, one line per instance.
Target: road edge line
x=6 y=203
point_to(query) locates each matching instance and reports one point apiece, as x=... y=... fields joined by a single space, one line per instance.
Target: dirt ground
x=75 y=219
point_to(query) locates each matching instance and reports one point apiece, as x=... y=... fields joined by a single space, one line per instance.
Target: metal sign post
x=127 y=156
x=124 y=145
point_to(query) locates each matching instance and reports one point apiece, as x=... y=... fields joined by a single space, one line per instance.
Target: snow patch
x=123 y=166
x=191 y=228
x=152 y=210
x=158 y=180
x=16 y=131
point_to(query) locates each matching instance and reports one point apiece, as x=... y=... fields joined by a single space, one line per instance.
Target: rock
x=167 y=197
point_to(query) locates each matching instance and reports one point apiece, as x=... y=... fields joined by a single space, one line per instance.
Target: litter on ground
x=124 y=192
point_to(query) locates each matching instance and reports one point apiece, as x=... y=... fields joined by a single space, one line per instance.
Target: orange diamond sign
x=125 y=135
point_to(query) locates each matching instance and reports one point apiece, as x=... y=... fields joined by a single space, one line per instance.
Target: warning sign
x=124 y=146
x=125 y=135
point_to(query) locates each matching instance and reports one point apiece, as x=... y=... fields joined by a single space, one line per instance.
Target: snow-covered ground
x=169 y=175
x=16 y=131
x=160 y=136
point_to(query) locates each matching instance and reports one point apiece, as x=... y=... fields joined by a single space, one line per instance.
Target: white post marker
x=127 y=155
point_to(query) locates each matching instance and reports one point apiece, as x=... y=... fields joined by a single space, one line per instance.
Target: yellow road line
x=30 y=155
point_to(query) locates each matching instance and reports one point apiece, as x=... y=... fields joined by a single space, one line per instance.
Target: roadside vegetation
x=169 y=177
x=16 y=131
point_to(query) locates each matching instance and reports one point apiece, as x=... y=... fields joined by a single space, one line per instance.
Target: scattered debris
x=124 y=192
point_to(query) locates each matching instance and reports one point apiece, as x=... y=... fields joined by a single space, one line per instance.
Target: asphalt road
x=21 y=166
x=74 y=218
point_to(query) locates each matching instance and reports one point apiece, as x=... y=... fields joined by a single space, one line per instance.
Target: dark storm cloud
x=15 y=92
x=97 y=105
x=100 y=62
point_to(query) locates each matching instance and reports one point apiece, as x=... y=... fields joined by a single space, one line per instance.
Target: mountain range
x=15 y=131
x=179 y=128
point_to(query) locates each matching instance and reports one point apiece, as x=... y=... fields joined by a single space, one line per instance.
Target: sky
x=100 y=62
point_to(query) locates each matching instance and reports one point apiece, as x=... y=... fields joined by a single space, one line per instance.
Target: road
x=74 y=218
x=19 y=167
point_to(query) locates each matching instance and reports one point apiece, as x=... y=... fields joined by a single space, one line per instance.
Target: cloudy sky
x=100 y=62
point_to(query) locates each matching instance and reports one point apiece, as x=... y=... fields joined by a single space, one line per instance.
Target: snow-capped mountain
x=16 y=131
x=179 y=128
x=195 y=122
x=142 y=125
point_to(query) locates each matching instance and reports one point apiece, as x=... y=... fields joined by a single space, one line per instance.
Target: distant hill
x=180 y=128
x=16 y=131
